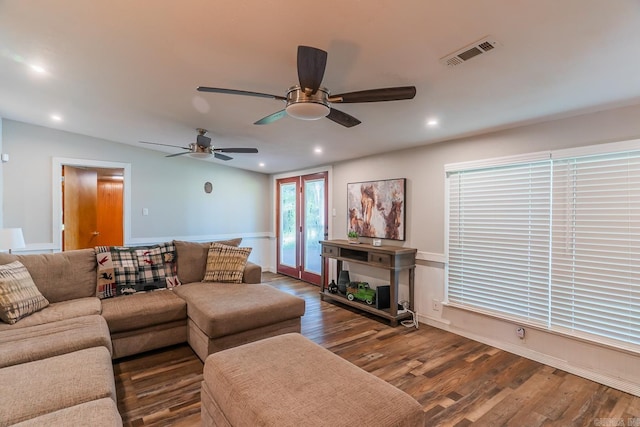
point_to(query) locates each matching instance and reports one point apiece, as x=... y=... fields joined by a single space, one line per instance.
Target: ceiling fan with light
x=310 y=101
x=203 y=148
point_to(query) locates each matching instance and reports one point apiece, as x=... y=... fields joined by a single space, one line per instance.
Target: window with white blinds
x=553 y=243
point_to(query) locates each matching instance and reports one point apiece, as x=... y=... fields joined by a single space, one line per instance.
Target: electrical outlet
x=520 y=332
x=436 y=305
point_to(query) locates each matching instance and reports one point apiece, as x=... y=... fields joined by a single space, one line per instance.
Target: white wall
x=1 y=180
x=425 y=205
x=170 y=188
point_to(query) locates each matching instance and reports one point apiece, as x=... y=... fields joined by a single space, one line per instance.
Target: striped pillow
x=19 y=296
x=225 y=263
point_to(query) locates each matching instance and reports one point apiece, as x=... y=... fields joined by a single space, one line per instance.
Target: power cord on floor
x=405 y=309
x=412 y=322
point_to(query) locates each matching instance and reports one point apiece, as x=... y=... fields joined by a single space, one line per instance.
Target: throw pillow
x=120 y=263
x=168 y=251
x=150 y=265
x=19 y=296
x=226 y=263
x=107 y=286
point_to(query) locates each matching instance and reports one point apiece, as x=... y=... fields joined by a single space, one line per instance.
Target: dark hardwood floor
x=458 y=381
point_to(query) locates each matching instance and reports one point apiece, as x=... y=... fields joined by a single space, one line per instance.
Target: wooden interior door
x=80 y=208
x=110 y=207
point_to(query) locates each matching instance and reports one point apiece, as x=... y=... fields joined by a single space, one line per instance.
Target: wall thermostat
x=377 y=242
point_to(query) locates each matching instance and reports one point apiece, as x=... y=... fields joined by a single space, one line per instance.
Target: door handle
x=96 y=233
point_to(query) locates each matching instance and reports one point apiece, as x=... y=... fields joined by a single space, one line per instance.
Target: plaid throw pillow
x=123 y=271
x=150 y=264
x=168 y=251
x=19 y=296
x=117 y=271
x=226 y=263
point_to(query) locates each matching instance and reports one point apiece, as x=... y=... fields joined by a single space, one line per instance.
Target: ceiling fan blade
x=235 y=150
x=164 y=145
x=177 y=154
x=342 y=118
x=376 y=95
x=203 y=141
x=311 y=65
x=221 y=156
x=271 y=118
x=240 y=92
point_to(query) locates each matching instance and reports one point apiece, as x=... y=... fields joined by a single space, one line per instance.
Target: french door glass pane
x=288 y=224
x=314 y=224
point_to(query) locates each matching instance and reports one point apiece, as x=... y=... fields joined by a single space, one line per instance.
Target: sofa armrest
x=252 y=273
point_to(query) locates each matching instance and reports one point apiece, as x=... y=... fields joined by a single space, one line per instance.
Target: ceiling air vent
x=480 y=47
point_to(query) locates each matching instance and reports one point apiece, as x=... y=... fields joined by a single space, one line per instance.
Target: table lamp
x=11 y=238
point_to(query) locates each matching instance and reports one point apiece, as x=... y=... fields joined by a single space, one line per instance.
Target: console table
x=391 y=258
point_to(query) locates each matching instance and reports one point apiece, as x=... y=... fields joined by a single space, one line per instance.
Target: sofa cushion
x=36 y=388
x=60 y=276
x=220 y=309
x=192 y=258
x=19 y=296
x=225 y=263
x=97 y=413
x=52 y=339
x=143 y=310
x=59 y=311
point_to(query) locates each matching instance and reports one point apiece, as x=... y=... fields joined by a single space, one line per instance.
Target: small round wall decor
x=208 y=187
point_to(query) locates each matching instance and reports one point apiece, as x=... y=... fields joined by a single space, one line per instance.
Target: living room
x=242 y=202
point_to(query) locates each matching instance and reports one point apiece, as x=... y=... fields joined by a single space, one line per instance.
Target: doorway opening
x=301 y=223
x=91 y=203
x=92 y=213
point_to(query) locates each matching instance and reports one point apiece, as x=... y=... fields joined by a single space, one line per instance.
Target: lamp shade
x=11 y=238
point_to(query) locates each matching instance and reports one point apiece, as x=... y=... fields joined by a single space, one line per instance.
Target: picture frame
x=377 y=209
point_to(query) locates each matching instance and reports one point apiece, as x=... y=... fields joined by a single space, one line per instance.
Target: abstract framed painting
x=377 y=208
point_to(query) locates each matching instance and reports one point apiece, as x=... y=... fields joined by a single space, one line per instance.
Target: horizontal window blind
x=595 y=269
x=499 y=239
x=554 y=243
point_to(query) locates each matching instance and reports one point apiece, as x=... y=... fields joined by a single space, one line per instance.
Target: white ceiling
x=128 y=70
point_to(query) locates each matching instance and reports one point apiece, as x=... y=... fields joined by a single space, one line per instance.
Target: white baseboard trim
x=434 y=321
x=139 y=241
x=198 y=238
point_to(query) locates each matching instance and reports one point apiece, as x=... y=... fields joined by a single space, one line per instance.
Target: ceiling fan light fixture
x=312 y=106
x=199 y=155
x=199 y=152
x=308 y=111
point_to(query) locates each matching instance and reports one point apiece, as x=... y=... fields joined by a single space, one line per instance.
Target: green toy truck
x=361 y=291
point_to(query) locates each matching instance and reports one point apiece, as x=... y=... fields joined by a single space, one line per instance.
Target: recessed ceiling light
x=261 y=164
x=56 y=117
x=432 y=122
x=318 y=150
x=38 y=69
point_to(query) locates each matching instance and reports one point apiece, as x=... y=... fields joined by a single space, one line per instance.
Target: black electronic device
x=383 y=296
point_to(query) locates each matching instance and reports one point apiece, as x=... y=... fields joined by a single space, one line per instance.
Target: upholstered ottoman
x=225 y=315
x=290 y=381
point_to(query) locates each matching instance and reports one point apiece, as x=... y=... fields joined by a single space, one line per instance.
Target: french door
x=302 y=223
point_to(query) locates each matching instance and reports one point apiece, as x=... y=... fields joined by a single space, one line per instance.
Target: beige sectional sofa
x=55 y=364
